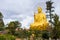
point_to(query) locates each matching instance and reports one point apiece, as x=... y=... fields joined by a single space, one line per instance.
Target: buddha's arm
x=44 y=17
x=35 y=18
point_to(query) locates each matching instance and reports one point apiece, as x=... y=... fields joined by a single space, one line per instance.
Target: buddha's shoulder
x=36 y=14
x=43 y=13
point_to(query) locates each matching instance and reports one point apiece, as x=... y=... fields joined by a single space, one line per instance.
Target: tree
x=19 y=33
x=56 y=29
x=45 y=35
x=1 y=22
x=13 y=25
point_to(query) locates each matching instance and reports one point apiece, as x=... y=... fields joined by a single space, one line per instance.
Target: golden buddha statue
x=40 y=21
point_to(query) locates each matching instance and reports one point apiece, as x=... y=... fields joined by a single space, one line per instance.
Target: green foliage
x=45 y=34
x=19 y=34
x=56 y=20
x=13 y=25
x=2 y=37
x=6 y=37
x=37 y=33
x=2 y=28
x=1 y=22
x=56 y=29
x=1 y=16
x=23 y=33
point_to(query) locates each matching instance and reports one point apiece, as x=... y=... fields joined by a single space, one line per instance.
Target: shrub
x=7 y=37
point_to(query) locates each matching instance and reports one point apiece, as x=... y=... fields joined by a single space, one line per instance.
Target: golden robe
x=40 y=21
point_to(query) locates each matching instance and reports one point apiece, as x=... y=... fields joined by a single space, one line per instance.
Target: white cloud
x=23 y=10
x=6 y=21
x=26 y=22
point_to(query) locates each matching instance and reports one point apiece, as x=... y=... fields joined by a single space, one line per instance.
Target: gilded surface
x=40 y=21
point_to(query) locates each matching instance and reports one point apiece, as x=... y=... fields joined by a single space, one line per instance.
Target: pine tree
x=56 y=29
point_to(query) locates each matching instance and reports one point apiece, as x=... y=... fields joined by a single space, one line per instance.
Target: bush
x=7 y=37
x=2 y=37
x=45 y=35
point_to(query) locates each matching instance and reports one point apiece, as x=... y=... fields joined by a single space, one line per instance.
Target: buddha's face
x=39 y=9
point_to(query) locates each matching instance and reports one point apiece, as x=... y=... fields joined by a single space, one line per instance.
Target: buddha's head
x=39 y=9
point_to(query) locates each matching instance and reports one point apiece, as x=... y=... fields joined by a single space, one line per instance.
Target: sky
x=23 y=10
